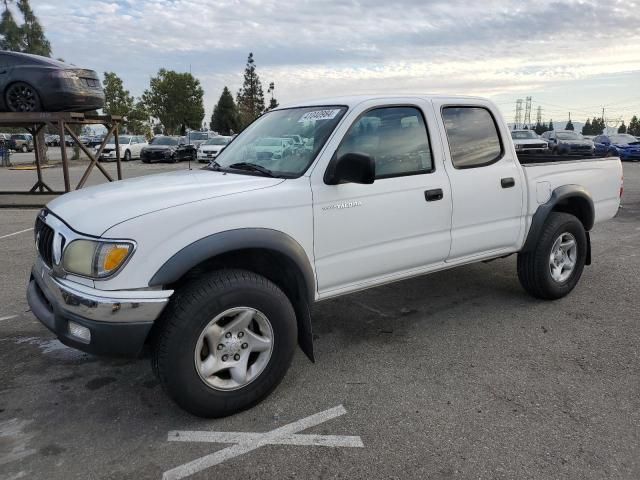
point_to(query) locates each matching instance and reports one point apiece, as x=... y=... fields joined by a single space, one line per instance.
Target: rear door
x=486 y=179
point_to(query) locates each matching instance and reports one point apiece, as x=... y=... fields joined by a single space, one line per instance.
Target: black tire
x=533 y=267
x=22 y=97
x=191 y=309
x=145 y=160
x=127 y=156
x=173 y=159
x=24 y=149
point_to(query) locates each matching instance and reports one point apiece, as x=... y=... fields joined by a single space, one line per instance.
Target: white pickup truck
x=216 y=269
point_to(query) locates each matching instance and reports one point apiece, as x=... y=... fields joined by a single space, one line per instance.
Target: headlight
x=95 y=259
x=167 y=153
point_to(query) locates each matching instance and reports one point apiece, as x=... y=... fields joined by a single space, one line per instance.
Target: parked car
x=21 y=142
x=96 y=141
x=209 y=149
x=130 y=147
x=215 y=269
x=52 y=140
x=272 y=147
x=568 y=142
x=196 y=138
x=622 y=145
x=168 y=149
x=527 y=141
x=31 y=83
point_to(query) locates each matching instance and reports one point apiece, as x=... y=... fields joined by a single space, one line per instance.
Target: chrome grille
x=44 y=241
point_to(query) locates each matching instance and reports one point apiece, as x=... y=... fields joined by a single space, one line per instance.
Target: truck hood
x=529 y=141
x=94 y=210
x=576 y=143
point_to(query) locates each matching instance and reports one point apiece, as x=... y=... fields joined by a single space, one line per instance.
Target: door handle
x=433 y=195
x=507 y=182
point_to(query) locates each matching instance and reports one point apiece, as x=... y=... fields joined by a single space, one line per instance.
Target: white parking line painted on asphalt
x=248 y=441
x=16 y=233
x=8 y=317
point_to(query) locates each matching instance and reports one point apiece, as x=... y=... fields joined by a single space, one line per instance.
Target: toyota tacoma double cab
x=215 y=270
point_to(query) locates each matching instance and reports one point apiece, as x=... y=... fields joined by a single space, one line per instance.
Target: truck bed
x=600 y=176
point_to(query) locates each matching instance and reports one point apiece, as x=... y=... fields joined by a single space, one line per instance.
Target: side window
x=395 y=137
x=473 y=136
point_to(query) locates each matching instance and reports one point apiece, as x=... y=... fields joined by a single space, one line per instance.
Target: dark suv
x=21 y=142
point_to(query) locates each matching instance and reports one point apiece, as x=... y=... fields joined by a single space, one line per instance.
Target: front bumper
x=119 y=321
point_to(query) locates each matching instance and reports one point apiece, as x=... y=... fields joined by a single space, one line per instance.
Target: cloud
x=331 y=47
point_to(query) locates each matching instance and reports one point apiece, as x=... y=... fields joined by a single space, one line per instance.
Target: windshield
x=217 y=141
x=198 y=135
x=623 y=139
x=165 y=141
x=312 y=124
x=569 y=136
x=523 y=135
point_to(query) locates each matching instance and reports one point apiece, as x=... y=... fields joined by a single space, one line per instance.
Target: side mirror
x=351 y=168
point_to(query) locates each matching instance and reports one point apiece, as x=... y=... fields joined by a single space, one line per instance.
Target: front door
x=365 y=234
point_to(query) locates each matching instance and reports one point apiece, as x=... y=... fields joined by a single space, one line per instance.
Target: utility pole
x=518 y=117
x=527 y=112
x=539 y=116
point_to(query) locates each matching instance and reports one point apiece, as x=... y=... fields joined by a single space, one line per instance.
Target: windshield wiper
x=252 y=167
x=213 y=165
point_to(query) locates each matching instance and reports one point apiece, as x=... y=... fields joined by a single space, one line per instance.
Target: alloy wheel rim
x=22 y=98
x=234 y=348
x=563 y=257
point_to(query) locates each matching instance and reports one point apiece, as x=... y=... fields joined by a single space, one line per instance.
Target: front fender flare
x=248 y=238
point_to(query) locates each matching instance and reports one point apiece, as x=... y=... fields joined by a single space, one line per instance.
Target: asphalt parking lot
x=458 y=374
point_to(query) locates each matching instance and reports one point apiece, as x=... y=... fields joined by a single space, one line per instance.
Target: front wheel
x=24 y=149
x=554 y=266
x=224 y=343
x=127 y=156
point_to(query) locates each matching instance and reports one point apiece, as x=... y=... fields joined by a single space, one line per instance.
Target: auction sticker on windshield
x=319 y=115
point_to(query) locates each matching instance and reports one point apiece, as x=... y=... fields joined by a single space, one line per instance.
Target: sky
x=570 y=56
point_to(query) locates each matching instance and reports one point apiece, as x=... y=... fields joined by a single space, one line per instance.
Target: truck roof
x=353 y=100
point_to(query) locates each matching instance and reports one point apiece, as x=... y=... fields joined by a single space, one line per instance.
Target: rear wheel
x=552 y=269
x=127 y=156
x=24 y=149
x=22 y=97
x=224 y=343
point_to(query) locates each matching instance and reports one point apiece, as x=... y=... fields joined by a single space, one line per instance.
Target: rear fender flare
x=559 y=195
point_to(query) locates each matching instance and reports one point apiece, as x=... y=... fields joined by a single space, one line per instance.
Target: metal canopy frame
x=34 y=122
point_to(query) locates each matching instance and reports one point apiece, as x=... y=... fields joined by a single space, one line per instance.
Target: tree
x=138 y=120
x=176 y=100
x=622 y=128
x=551 y=127
x=586 y=128
x=11 y=36
x=597 y=126
x=250 y=98
x=225 y=115
x=569 y=126
x=634 y=126
x=117 y=100
x=273 y=103
x=32 y=32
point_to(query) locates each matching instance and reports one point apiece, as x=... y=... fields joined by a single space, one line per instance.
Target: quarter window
x=473 y=136
x=395 y=137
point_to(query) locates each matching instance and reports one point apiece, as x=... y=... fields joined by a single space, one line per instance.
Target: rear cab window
x=473 y=137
